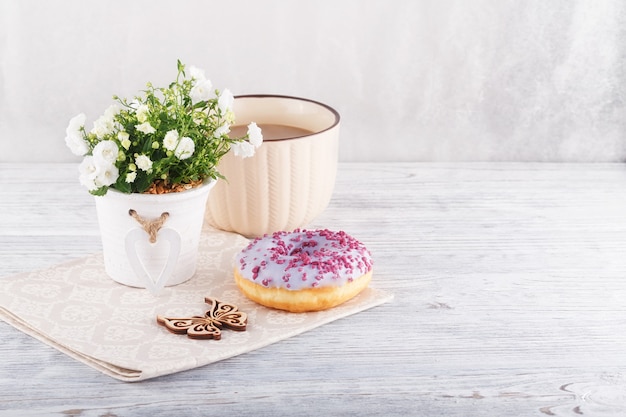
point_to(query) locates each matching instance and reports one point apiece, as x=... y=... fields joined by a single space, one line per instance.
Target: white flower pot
x=130 y=258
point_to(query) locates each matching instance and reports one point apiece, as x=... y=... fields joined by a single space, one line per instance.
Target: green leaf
x=100 y=191
x=142 y=182
x=147 y=145
x=122 y=186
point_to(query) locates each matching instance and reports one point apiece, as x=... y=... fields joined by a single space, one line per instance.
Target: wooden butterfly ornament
x=220 y=315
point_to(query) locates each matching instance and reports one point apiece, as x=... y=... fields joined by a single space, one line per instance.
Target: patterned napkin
x=76 y=308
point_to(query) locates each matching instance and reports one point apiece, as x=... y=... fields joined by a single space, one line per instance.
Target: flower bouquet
x=150 y=163
x=168 y=139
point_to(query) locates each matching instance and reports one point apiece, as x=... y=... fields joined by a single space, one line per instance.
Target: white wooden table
x=510 y=300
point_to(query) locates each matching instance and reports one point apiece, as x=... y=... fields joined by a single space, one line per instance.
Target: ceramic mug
x=291 y=177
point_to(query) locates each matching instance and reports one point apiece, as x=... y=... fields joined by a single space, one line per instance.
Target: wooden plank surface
x=510 y=300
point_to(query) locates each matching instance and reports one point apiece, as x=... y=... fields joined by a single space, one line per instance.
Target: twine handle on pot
x=151 y=227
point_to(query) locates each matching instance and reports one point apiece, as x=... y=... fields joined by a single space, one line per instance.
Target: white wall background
x=413 y=80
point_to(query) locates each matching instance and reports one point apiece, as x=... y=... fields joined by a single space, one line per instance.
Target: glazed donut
x=303 y=270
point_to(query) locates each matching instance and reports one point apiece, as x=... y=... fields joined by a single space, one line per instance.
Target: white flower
x=201 y=91
x=105 y=153
x=88 y=172
x=75 y=124
x=221 y=131
x=107 y=175
x=74 y=136
x=185 y=148
x=142 y=113
x=105 y=124
x=145 y=128
x=143 y=162
x=170 y=140
x=124 y=139
x=112 y=111
x=225 y=101
x=255 y=135
x=99 y=170
x=196 y=73
x=77 y=145
x=130 y=177
x=243 y=149
x=101 y=127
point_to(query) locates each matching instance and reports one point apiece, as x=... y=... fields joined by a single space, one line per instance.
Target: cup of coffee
x=291 y=177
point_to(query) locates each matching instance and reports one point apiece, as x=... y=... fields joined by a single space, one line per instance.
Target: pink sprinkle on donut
x=332 y=258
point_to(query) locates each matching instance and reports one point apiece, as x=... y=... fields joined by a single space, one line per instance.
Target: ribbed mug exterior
x=287 y=183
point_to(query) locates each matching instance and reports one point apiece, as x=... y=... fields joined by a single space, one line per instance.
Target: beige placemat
x=77 y=309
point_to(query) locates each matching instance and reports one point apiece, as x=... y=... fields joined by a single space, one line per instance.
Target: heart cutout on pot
x=146 y=266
